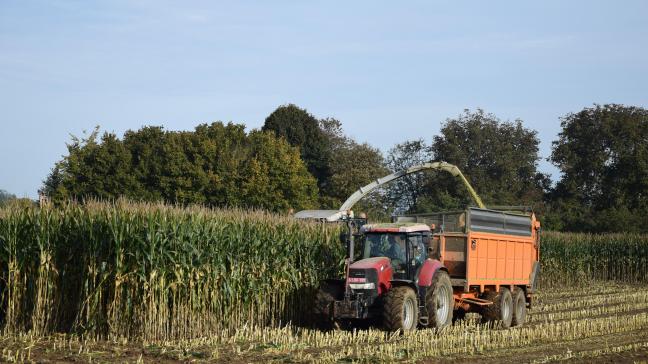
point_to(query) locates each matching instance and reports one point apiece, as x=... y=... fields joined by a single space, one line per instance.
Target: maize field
x=157 y=272
x=143 y=282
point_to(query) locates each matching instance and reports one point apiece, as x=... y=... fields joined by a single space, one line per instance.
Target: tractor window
x=390 y=245
x=418 y=249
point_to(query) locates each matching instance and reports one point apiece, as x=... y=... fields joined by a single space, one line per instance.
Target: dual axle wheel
x=507 y=307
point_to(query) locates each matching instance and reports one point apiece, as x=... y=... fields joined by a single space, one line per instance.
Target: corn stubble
x=607 y=319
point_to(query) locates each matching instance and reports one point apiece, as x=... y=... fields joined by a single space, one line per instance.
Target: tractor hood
x=377 y=263
x=376 y=272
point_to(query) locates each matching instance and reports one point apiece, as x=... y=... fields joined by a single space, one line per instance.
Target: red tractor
x=390 y=279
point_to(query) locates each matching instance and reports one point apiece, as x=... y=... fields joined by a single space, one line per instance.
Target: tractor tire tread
x=519 y=318
x=493 y=312
x=393 y=307
x=440 y=278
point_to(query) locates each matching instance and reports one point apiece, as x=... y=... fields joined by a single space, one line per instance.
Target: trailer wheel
x=323 y=310
x=519 y=307
x=501 y=309
x=400 y=309
x=458 y=315
x=439 y=301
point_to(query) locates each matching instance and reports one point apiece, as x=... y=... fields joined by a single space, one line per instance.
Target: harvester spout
x=442 y=166
x=335 y=215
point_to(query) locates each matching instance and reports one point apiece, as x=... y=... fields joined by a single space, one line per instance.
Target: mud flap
x=533 y=277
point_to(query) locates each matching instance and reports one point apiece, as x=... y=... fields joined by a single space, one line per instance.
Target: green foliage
x=498 y=158
x=301 y=129
x=352 y=165
x=340 y=164
x=602 y=153
x=276 y=177
x=404 y=193
x=5 y=197
x=217 y=165
x=577 y=259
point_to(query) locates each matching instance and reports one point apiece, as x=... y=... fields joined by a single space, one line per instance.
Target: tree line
x=297 y=161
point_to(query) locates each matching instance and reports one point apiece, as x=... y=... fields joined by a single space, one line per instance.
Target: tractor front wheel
x=400 y=309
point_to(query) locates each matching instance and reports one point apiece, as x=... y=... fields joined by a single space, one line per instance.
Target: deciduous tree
x=216 y=164
x=602 y=152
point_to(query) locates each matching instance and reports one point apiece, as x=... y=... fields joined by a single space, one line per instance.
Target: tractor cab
x=404 y=244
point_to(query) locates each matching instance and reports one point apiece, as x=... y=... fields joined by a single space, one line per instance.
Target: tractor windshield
x=390 y=245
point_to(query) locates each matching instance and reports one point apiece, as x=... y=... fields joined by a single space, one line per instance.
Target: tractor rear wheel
x=519 y=307
x=400 y=309
x=328 y=293
x=501 y=309
x=439 y=301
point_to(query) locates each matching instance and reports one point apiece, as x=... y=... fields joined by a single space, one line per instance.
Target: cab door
x=416 y=254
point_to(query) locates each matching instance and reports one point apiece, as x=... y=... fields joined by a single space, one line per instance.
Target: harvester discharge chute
x=336 y=215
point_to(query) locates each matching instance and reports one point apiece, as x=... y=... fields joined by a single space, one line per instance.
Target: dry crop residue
x=600 y=323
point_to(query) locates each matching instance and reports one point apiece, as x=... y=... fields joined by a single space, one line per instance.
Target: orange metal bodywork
x=492 y=260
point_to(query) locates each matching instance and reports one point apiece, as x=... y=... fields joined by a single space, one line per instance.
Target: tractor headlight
x=362 y=285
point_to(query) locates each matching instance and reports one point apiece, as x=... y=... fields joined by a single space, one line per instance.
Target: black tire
x=458 y=315
x=400 y=309
x=501 y=309
x=328 y=293
x=439 y=301
x=519 y=307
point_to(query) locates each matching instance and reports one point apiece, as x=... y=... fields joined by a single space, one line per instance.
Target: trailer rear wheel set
x=508 y=308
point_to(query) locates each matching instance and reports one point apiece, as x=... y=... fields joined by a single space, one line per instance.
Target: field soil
x=602 y=323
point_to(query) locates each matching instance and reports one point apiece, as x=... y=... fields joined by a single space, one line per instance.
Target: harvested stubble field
x=601 y=323
x=128 y=282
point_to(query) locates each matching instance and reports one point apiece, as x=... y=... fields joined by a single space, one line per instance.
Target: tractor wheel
x=501 y=309
x=439 y=301
x=519 y=307
x=400 y=309
x=323 y=311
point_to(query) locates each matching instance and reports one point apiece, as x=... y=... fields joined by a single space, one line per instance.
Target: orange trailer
x=483 y=251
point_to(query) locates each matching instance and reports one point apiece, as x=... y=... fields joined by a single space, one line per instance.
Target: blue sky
x=390 y=71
